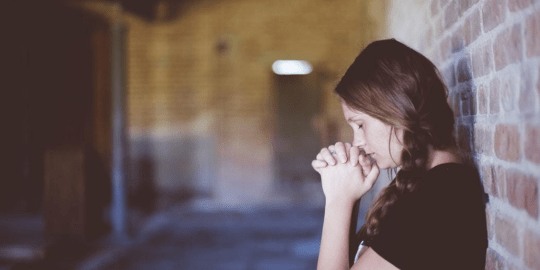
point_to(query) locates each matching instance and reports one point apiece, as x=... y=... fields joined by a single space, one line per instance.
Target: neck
x=437 y=157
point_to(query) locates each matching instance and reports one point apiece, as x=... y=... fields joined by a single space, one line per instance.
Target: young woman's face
x=373 y=136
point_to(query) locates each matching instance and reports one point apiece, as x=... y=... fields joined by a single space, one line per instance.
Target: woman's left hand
x=346 y=181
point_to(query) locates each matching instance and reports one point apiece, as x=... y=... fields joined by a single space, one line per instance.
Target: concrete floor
x=184 y=237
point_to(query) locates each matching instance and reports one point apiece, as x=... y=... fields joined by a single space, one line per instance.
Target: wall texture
x=489 y=54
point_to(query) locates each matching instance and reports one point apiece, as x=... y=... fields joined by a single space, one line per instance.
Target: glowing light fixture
x=291 y=67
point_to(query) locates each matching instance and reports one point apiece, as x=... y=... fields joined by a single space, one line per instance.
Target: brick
x=494 y=261
x=515 y=5
x=487 y=178
x=458 y=42
x=465 y=5
x=494 y=93
x=449 y=76
x=439 y=27
x=464 y=138
x=472 y=27
x=464 y=73
x=506 y=235
x=532 y=28
x=499 y=181
x=494 y=180
x=508 y=47
x=493 y=13
x=434 y=8
x=483 y=140
x=532 y=143
x=456 y=103
x=483 y=101
x=507 y=140
x=532 y=249
x=482 y=59
x=489 y=221
x=508 y=90
x=527 y=93
x=446 y=48
x=451 y=14
x=467 y=99
x=522 y=192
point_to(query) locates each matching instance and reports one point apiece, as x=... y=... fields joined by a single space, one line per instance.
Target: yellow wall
x=182 y=86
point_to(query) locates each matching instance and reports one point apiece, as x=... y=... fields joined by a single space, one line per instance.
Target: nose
x=359 y=139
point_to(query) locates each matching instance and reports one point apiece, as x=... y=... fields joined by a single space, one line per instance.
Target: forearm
x=334 y=250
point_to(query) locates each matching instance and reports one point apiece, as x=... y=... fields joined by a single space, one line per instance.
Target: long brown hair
x=400 y=87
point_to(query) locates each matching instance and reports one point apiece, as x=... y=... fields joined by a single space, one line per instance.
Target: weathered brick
x=467 y=99
x=472 y=27
x=464 y=70
x=532 y=143
x=508 y=47
x=532 y=28
x=439 y=27
x=451 y=14
x=449 y=76
x=464 y=138
x=489 y=221
x=487 y=180
x=522 y=192
x=483 y=101
x=434 y=8
x=483 y=140
x=499 y=181
x=494 y=180
x=458 y=42
x=515 y=5
x=532 y=249
x=494 y=94
x=494 y=261
x=456 y=103
x=507 y=140
x=508 y=91
x=527 y=92
x=493 y=13
x=465 y=5
x=482 y=59
x=506 y=234
x=446 y=48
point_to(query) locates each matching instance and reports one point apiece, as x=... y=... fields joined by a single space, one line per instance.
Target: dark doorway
x=298 y=100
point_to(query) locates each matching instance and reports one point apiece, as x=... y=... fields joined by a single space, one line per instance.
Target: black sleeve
x=441 y=226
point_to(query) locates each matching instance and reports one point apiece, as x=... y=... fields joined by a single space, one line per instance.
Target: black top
x=442 y=225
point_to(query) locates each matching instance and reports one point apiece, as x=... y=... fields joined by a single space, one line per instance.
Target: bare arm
x=343 y=185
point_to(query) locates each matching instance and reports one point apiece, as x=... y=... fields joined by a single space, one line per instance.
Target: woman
x=431 y=216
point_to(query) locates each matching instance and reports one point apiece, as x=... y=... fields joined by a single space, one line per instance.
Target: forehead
x=352 y=114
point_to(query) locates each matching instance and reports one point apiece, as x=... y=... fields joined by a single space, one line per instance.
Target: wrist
x=340 y=202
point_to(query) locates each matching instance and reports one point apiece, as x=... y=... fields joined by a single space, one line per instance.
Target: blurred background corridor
x=156 y=134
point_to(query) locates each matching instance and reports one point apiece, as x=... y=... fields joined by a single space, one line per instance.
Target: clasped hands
x=346 y=172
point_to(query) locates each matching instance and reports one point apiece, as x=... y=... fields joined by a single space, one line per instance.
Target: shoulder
x=451 y=177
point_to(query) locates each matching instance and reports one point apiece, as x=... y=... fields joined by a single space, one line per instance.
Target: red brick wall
x=489 y=54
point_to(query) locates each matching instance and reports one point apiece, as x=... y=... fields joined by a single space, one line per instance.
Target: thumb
x=372 y=175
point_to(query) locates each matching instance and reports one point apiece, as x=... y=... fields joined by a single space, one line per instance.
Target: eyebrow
x=353 y=118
